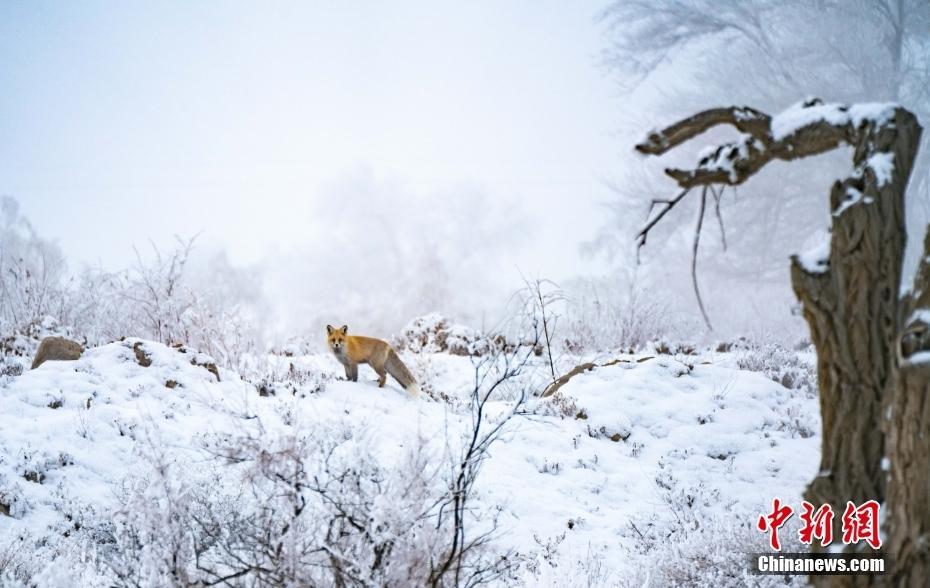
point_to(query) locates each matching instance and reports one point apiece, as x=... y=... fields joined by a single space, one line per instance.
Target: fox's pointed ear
x=345 y=329
x=329 y=329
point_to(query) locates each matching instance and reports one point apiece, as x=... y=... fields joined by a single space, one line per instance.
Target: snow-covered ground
x=625 y=465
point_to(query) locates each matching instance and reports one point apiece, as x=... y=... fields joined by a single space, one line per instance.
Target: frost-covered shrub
x=149 y=539
x=277 y=501
x=300 y=508
x=795 y=370
x=10 y=367
x=693 y=540
x=33 y=465
x=293 y=347
x=428 y=372
x=18 y=563
x=13 y=502
x=158 y=299
x=800 y=423
x=290 y=378
x=435 y=333
x=616 y=313
x=560 y=405
x=552 y=564
x=32 y=274
x=677 y=348
x=28 y=561
x=713 y=554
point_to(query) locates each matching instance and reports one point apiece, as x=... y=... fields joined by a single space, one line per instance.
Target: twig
x=717 y=195
x=694 y=255
x=669 y=204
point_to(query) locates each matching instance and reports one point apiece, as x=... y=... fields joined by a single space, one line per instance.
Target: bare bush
x=157 y=299
x=539 y=301
x=554 y=565
x=617 y=313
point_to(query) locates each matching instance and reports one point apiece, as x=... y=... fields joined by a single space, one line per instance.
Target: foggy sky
x=123 y=122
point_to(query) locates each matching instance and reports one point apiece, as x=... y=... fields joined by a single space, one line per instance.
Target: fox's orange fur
x=352 y=350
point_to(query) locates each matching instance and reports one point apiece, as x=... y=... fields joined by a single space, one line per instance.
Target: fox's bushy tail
x=399 y=372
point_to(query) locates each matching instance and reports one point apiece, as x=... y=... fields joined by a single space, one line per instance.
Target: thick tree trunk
x=852 y=308
x=850 y=293
x=908 y=439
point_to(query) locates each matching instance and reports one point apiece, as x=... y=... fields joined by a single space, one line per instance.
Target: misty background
x=369 y=163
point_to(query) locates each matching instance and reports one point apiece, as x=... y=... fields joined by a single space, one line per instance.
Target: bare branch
x=745 y=119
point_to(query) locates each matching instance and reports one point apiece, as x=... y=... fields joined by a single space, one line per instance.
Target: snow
x=853 y=196
x=74 y=423
x=816 y=254
x=920 y=314
x=800 y=115
x=588 y=463
x=919 y=357
x=883 y=166
x=706 y=424
x=724 y=157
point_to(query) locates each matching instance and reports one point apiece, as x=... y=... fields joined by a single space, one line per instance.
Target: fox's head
x=336 y=337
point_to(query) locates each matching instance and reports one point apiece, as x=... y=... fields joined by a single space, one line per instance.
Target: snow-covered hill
x=627 y=465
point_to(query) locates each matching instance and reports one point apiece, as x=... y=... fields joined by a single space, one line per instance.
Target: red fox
x=352 y=350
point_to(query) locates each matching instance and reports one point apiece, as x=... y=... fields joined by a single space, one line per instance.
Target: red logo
x=859 y=523
x=774 y=521
x=817 y=525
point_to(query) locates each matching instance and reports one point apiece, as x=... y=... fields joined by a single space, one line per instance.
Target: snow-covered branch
x=806 y=129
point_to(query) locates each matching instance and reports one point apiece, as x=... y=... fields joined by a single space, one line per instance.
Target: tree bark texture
x=907 y=426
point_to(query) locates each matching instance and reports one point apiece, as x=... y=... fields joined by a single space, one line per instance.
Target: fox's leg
x=352 y=372
x=382 y=375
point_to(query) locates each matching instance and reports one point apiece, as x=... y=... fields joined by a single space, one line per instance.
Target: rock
x=142 y=358
x=209 y=366
x=57 y=348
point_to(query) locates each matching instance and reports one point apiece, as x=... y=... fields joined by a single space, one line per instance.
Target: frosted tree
x=32 y=274
x=873 y=346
